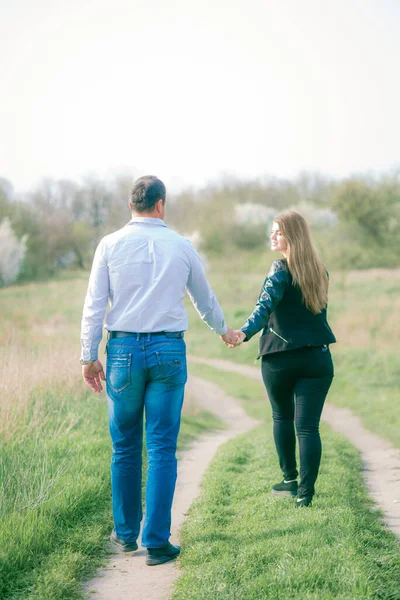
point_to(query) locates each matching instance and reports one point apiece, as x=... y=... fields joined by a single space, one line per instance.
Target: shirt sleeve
x=95 y=306
x=202 y=296
x=271 y=294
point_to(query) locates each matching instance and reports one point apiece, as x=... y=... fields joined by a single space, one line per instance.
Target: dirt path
x=380 y=460
x=126 y=576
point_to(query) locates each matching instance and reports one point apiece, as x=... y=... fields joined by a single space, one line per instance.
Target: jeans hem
x=128 y=541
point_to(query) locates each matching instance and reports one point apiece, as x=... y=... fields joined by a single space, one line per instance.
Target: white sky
x=193 y=89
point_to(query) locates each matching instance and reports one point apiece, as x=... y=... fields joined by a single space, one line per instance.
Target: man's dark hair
x=146 y=192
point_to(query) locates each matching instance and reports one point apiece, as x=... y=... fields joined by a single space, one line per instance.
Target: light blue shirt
x=144 y=270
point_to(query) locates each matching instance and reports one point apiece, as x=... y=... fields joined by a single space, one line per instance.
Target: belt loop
x=137 y=337
x=148 y=337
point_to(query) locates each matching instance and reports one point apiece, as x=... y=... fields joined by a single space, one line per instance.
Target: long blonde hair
x=307 y=269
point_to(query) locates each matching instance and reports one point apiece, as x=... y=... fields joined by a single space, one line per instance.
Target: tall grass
x=54 y=447
x=39 y=349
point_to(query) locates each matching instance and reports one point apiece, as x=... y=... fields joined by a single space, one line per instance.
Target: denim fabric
x=146 y=375
x=297 y=382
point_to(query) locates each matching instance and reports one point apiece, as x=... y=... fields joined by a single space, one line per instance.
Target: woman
x=297 y=366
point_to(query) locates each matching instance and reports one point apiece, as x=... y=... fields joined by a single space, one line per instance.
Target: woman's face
x=278 y=242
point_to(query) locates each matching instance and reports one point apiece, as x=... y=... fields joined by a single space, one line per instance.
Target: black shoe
x=158 y=556
x=123 y=544
x=285 y=489
x=305 y=501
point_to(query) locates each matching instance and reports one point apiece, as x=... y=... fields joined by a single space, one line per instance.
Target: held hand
x=230 y=338
x=93 y=374
x=241 y=336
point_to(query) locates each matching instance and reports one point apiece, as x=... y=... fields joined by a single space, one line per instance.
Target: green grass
x=194 y=425
x=251 y=392
x=368 y=384
x=241 y=543
x=55 y=497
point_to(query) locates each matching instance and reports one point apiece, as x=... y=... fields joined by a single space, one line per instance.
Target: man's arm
x=95 y=307
x=202 y=296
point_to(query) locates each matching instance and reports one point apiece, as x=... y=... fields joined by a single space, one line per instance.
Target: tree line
x=57 y=225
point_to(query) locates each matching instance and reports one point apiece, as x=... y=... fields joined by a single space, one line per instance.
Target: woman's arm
x=271 y=294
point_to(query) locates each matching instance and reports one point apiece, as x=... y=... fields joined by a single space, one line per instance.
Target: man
x=144 y=271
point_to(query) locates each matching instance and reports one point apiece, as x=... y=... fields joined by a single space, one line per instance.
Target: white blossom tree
x=252 y=223
x=250 y=213
x=12 y=253
x=316 y=217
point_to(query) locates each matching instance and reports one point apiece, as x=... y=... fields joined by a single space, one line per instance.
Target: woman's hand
x=233 y=338
x=241 y=336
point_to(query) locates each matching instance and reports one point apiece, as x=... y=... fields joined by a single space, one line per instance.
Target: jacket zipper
x=279 y=336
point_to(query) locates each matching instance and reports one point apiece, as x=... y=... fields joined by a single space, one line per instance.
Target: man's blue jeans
x=145 y=374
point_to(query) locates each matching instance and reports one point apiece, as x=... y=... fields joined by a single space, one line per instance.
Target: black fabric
x=280 y=313
x=297 y=383
x=295 y=324
x=120 y=334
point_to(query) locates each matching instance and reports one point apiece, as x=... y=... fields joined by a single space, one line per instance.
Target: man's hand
x=230 y=338
x=93 y=374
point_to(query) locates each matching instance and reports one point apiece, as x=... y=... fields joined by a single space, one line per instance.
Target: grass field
x=55 y=449
x=241 y=543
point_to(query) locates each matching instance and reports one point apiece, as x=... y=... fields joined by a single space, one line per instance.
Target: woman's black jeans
x=297 y=382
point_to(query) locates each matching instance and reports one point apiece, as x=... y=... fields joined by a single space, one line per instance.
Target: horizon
x=216 y=183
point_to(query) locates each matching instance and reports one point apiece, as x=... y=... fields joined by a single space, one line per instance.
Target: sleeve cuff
x=87 y=354
x=247 y=338
x=223 y=329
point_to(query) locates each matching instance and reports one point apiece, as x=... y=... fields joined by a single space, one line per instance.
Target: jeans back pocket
x=119 y=371
x=172 y=364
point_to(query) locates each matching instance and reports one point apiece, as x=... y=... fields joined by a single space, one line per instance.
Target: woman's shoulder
x=278 y=266
x=278 y=274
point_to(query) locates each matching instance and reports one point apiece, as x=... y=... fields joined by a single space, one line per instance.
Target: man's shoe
x=158 y=556
x=122 y=544
x=285 y=488
x=305 y=501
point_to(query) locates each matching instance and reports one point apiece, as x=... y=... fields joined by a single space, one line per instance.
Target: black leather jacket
x=281 y=316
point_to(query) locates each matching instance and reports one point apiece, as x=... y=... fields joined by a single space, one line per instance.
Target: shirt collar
x=147 y=221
